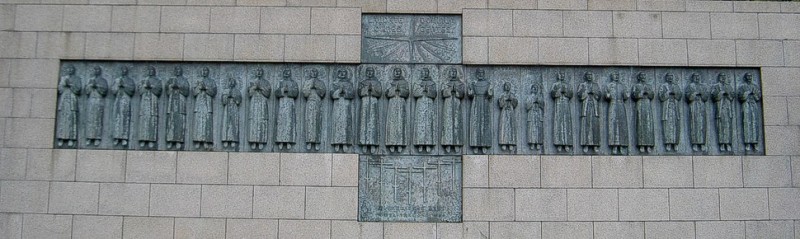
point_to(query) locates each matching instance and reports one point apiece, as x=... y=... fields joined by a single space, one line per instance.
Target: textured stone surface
x=487 y=23
x=331 y=203
x=73 y=198
x=592 y=204
x=528 y=23
x=185 y=19
x=39 y=18
x=784 y=203
x=514 y=171
x=279 y=202
x=719 y=171
x=569 y=51
x=199 y=228
x=694 y=204
x=258 y=47
x=515 y=229
x=587 y=24
x=353 y=229
x=711 y=52
x=619 y=230
x=158 y=46
x=148 y=227
x=769 y=229
x=409 y=230
x=150 y=167
x=175 y=200
x=637 y=24
x=286 y=20
x=476 y=170
x=124 y=199
x=766 y=171
x=540 y=204
x=46 y=226
x=202 y=168
x=251 y=228
x=617 y=172
x=743 y=204
x=488 y=204
x=51 y=165
x=344 y=170
x=734 y=26
x=512 y=50
x=100 y=166
x=759 y=52
x=135 y=18
x=227 y=201
x=235 y=19
x=304 y=229
x=685 y=24
x=613 y=51
x=24 y=196
x=683 y=230
x=553 y=230
x=97 y=227
x=720 y=229
x=11 y=225
x=335 y=21
x=663 y=52
x=306 y=169
x=644 y=204
x=566 y=172
x=253 y=168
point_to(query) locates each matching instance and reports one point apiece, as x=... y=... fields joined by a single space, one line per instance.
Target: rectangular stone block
x=617 y=172
x=767 y=171
x=769 y=229
x=540 y=205
x=529 y=23
x=83 y=18
x=13 y=163
x=643 y=204
x=344 y=170
x=743 y=204
x=100 y=166
x=7 y=17
x=612 y=4
x=185 y=19
x=305 y=169
x=681 y=230
x=734 y=25
x=226 y=201
x=563 y=4
x=409 y=230
x=11 y=225
x=694 y=204
x=286 y=20
x=587 y=24
x=46 y=226
x=24 y=196
x=97 y=227
x=487 y=22
x=335 y=21
x=46 y=164
x=778 y=26
x=310 y=48
x=410 y=6
x=38 y=133
x=554 y=230
x=712 y=52
x=199 y=228
x=251 y=228
x=73 y=198
x=109 y=45
x=776 y=85
x=60 y=44
x=253 y=168
x=348 y=49
x=514 y=171
x=756 y=7
x=150 y=166
x=717 y=171
x=513 y=50
x=34 y=73
x=135 y=18
x=619 y=230
x=449 y=230
x=18 y=44
x=592 y=205
x=208 y=47
x=637 y=24
x=663 y=52
x=709 y=6
x=721 y=229
x=613 y=51
x=796 y=171
x=791 y=53
x=158 y=46
x=304 y=228
x=476 y=170
x=258 y=47
x=332 y=203
x=38 y=17
x=235 y=19
x=126 y=199
x=574 y=171
x=488 y=204
x=148 y=227
x=515 y=229
x=790 y=7
x=202 y=167
x=661 y=5
x=279 y=202
x=175 y=200
x=784 y=203
x=759 y=53
x=353 y=229
x=569 y=51
x=686 y=25
x=377 y=6
x=782 y=140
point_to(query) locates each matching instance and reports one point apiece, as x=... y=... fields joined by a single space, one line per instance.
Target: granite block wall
x=53 y=193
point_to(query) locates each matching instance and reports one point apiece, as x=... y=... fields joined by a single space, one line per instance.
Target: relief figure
x=452 y=118
x=259 y=91
x=314 y=92
x=616 y=94
x=671 y=95
x=481 y=93
x=177 y=91
x=204 y=93
x=535 y=117
x=287 y=93
x=697 y=96
x=123 y=89
x=96 y=89
x=424 y=112
x=643 y=96
x=724 y=95
x=396 y=118
x=231 y=99
x=562 y=116
x=149 y=90
x=370 y=91
x=750 y=96
x=69 y=89
x=507 y=126
x=589 y=97
x=342 y=94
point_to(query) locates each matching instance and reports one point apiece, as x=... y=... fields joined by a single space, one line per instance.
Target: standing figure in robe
x=177 y=91
x=204 y=93
x=396 y=112
x=750 y=96
x=259 y=92
x=670 y=95
x=424 y=112
x=452 y=118
x=616 y=94
x=724 y=95
x=69 y=89
x=535 y=117
x=123 y=89
x=507 y=126
x=149 y=90
x=481 y=93
x=370 y=91
x=589 y=96
x=697 y=96
x=314 y=93
x=96 y=89
x=287 y=93
x=231 y=99
x=342 y=94
x=643 y=96
x=562 y=116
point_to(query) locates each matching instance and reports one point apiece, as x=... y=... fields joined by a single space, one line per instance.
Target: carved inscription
x=411 y=39
x=409 y=188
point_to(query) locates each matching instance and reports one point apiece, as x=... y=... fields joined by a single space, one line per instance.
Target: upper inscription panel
x=411 y=39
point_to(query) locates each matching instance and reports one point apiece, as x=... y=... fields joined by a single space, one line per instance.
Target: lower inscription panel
x=409 y=188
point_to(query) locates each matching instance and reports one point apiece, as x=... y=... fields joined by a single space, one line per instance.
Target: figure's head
x=287 y=74
x=70 y=70
x=695 y=78
x=370 y=72
x=480 y=74
x=397 y=72
x=313 y=73
x=178 y=71
x=507 y=86
x=452 y=73
x=342 y=74
x=589 y=77
x=426 y=73
x=641 y=77
x=534 y=89
x=258 y=72
x=151 y=71
x=123 y=70
x=748 y=78
x=204 y=72
x=560 y=76
x=669 y=77
x=722 y=78
x=231 y=82
x=615 y=77
x=96 y=71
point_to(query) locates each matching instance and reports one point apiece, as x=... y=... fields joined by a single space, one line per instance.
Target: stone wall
x=53 y=193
